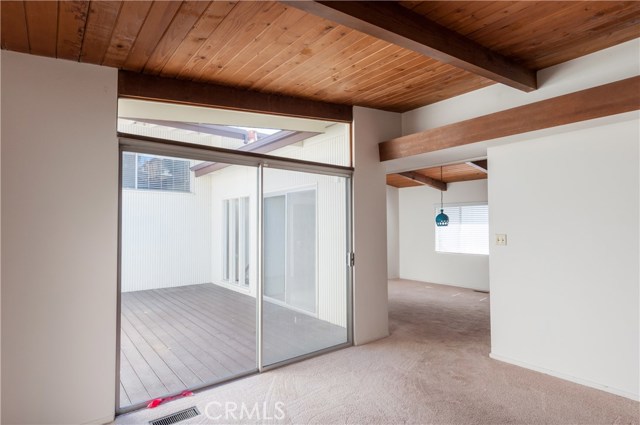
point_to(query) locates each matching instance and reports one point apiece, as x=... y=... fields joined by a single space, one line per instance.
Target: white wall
x=418 y=257
x=602 y=67
x=393 y=236
x=165 y=237
x=564 y=291
x=59 y=240
x=370 y=127
x=564 y=295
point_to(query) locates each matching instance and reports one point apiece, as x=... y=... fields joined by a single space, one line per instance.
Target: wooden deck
x=178 y=338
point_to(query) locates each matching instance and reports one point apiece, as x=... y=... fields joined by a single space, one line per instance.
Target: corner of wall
x=370 y=317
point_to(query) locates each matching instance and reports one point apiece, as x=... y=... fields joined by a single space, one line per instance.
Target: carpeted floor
x=433 y=369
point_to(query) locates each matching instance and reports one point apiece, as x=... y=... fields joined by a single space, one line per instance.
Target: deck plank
x=147 y=375
x=232 y=349
x=131 y=383
x=180 y=337
x=200 y=344
x=175 y=340
x=165 y=374
x=163 y=351
x=124 y=398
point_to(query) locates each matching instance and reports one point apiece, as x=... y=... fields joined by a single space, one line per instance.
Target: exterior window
x=152 y=172
x=235 y=250
x=467 y=232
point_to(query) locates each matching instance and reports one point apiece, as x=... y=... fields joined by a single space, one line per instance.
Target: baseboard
x=585 y=382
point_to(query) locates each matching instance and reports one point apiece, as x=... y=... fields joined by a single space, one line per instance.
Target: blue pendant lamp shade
x=442 y=219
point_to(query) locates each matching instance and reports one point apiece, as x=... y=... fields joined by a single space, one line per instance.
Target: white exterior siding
x=331 y=147
x=165 y=239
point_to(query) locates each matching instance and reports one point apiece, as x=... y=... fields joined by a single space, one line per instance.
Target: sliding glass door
x=188 y=279
x=305 y=291
x=227 y=267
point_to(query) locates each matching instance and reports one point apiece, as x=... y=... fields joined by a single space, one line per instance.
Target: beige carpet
x=433 y=369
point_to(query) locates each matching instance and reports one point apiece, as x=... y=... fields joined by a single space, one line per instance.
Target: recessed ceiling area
x=465 y=171
x=275 y=48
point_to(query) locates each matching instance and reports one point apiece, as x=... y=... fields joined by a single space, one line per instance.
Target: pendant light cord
x=441 y=202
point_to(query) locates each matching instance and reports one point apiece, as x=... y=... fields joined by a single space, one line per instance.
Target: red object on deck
x=158 y=401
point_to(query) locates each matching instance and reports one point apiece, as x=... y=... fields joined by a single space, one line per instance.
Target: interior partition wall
x=228 y=272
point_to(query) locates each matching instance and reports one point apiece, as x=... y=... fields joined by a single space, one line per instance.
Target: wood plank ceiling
x=273 y=48
x=450 y=173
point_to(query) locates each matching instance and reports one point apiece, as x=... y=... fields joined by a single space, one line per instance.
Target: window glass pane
x=182 y=325
x=301 y=244
x=226 y=248
x=467 y=232
x=156 y=173
x=129 y=171
x=245 y=241
x=236 y=240
x=274 y=246
x=305 y=251
x=288 y=137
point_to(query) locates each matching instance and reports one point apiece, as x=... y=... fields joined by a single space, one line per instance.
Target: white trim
x=570 y=378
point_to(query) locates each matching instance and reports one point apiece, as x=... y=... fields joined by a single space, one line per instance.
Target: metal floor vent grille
x=191 y=412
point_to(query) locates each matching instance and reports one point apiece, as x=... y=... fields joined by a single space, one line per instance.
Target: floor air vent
x=191 y=412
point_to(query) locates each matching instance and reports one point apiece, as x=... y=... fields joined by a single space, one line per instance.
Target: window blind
x=155 y=173
x=467 y=232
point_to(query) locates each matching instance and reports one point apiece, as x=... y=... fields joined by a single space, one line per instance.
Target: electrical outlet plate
x=501 y=239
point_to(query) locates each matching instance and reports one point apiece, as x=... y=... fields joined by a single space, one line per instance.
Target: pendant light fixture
x=442 y=219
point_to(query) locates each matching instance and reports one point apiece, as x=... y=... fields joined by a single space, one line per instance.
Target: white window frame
x=452 y=223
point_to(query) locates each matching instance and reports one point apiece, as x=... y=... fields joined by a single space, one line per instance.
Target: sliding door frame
x=164 y=147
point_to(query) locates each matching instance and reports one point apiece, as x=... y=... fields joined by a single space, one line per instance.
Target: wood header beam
x=132 y=85
x=388 y=21
x=597 y=102
x=436 y=184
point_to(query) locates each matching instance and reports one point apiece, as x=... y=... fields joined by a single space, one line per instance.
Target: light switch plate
x=501 y=239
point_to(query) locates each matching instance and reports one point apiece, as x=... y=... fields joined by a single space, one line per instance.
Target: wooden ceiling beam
x=132 y=85
x=481 y=165
x=420 y=178
x=597 y=102
x=389 y=21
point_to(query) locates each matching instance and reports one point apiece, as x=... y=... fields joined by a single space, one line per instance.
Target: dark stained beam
x=388 y=21
x=420 y=178
x=481 y=165
x=133 y=85
x=609 y=99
